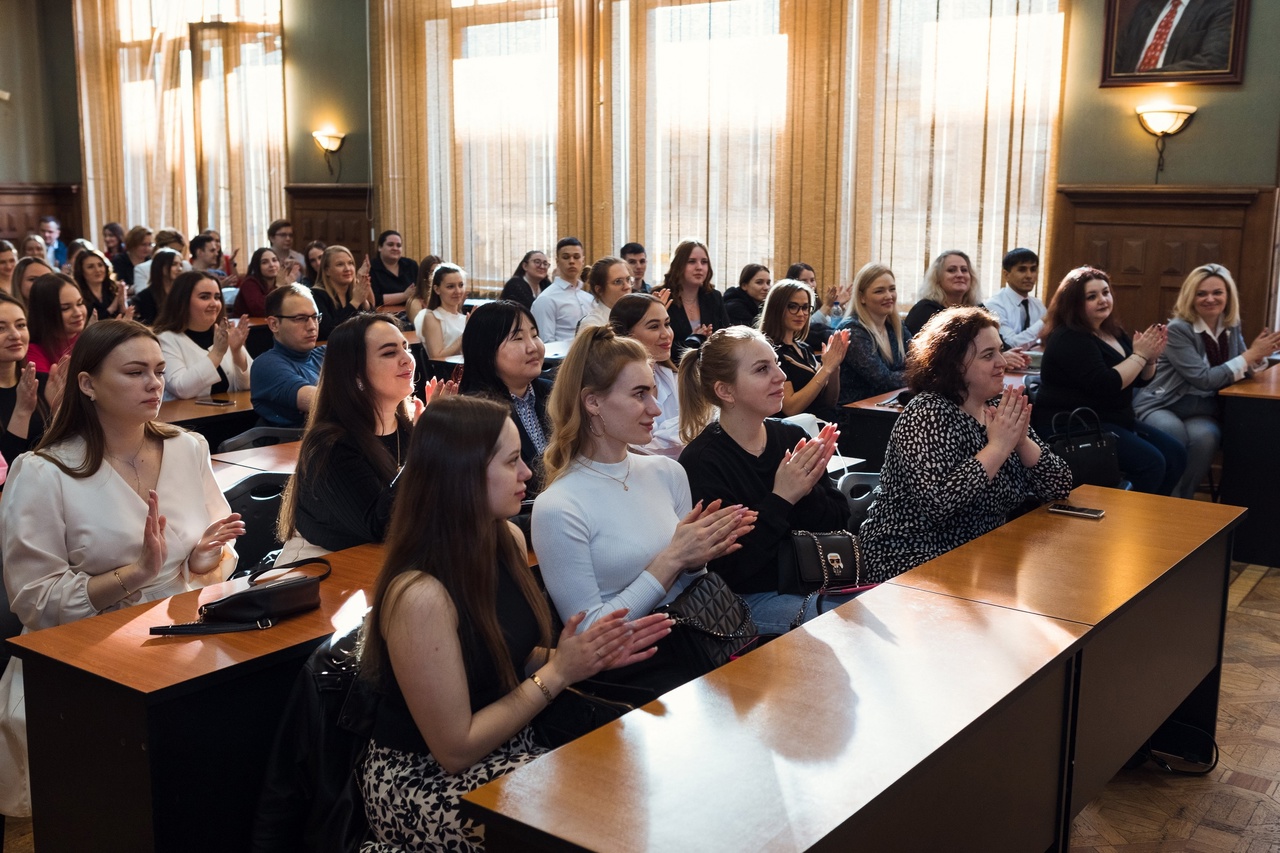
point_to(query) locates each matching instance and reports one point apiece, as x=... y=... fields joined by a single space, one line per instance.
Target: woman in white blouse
x=608 y=281
x=113 y=508
x=645 y=318
x=441 y=323
x=204 y=353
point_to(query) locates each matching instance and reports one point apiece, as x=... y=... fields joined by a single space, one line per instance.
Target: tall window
x=183 y=109
x=965 y=105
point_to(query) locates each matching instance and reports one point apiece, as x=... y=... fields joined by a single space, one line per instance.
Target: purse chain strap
x=823 y=561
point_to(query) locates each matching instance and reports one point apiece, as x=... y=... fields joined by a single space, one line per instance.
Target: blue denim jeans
x=773 y=612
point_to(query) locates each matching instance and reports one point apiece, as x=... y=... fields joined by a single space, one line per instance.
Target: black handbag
x=261 y=605
x=820 y=564
x=712 y=624
x=1087 y=449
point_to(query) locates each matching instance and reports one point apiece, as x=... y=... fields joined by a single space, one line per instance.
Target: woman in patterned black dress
x=962 y=455
x=457 y=622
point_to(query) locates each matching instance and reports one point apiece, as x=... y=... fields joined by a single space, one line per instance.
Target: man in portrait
x=1168 y=36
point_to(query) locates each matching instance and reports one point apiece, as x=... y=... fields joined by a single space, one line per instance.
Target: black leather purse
x=712 y=624
x=261 y=605
x=1090 y=452
x=820 y=564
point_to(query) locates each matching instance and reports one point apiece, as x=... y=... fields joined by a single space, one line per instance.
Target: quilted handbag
x=712 y=624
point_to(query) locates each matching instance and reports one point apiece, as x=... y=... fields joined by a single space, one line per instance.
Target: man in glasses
x=284 y=377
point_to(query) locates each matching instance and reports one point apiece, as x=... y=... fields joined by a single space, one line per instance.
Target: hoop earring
x=591 y=426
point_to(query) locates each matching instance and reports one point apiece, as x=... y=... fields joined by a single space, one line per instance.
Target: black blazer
x=710 y=306
x=518 y=290
x=1200 y=42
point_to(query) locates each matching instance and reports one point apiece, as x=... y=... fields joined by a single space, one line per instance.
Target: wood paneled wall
x=1149 y=239
x=339 y=214
x=22 y=205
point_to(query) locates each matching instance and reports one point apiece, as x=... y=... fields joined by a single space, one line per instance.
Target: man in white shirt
x=1021 y=314
x=562 y=304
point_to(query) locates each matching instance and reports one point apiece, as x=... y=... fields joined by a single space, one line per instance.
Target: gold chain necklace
x=133 y=464
x=623 y=479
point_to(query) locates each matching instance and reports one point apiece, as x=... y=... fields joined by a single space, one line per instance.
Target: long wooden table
x=281 y=457
x=885 y=725
x=142 y=743
x=215 y=423
x=1251 y=463
x=802 y=749
x=1150 y=578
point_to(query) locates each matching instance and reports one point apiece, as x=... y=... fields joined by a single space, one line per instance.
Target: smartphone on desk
x=1078 y=511
x=213 y=401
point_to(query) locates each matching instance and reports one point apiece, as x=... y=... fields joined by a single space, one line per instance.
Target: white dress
x=58 y=531
x=189 y=373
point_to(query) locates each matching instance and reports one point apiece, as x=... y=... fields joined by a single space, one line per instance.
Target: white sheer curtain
x=966 y=100
x=152 y=156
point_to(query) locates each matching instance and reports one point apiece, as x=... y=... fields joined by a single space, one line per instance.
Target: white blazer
x=188 y=371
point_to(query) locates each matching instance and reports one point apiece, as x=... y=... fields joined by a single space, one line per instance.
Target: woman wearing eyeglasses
x=529 y=279
x=1205 y=354
x=608 y=281
x=813 y=382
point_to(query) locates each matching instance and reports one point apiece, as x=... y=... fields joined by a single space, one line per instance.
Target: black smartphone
x=214 y=401
x=1078 y=511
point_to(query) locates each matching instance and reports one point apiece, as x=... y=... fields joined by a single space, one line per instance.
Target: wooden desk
x=274 y=457
x=159 y=743
x=1150 y=578
x=228 y=474
x=215 y=423
x=907 y=745
x=1251 y=463
x=865 y=424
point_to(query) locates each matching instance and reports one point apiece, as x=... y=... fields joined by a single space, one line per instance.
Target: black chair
x=257 y=499
x=260 y=436
x=858 y=488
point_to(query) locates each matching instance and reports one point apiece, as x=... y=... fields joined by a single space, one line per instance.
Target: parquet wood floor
x=1235 y=809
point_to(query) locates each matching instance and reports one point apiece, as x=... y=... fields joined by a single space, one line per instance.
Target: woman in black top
x=695 y=306
x=391 y=273
x=744 y=302
x=528 y=280
x=165 y=267
x=813 y=384
x=948 y=283
x=502 y=353
x=312 y=256
x=1090 y=361
x=26 y=397
x=342 y=291
x=459 y=639
x=748 y=457
x=356 y=439
x=103 y=295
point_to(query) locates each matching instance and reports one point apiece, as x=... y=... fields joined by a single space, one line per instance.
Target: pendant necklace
x=622 y=479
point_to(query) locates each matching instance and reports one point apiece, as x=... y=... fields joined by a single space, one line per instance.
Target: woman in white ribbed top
x=614 y=529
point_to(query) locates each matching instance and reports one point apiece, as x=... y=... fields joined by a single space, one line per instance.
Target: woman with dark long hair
x=459 y=637
x=27 y=397
x=55 y=317
x=695 y=306
x=266 y=273
x=503 y=355
x=531 y=275
x=204 y=350
x=113 y=508
x=166 y=266
x=356 y=440
x=103 y=295
x=643 y=316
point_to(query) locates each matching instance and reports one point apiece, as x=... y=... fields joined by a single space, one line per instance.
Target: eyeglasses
x=619 y=282
x=542 y=263
x=301 y=319
x=799 y=308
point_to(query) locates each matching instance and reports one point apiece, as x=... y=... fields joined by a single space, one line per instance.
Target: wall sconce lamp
x=1161 y=120
x=330 y=142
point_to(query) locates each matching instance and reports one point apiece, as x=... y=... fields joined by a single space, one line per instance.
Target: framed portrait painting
x=1174 y=41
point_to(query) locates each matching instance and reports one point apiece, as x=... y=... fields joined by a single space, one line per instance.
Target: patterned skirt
x=412 y=804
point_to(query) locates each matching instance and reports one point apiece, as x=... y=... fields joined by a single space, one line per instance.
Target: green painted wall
x=326 y=79
x=1233 y=139
x=37 y=67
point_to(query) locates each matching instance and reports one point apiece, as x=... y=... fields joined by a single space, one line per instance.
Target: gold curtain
x=966 y=99
x=183 y=115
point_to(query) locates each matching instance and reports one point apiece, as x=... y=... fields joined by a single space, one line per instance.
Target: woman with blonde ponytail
x=746 y=456
x=615 y=529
